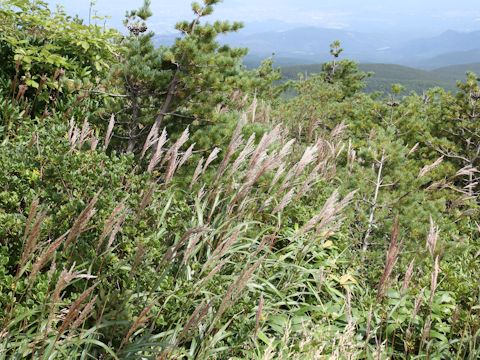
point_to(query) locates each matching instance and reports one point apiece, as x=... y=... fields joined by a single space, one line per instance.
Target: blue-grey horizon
x=428 y=16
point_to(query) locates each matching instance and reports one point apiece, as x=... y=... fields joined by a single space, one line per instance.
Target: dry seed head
x=351 y=155
x=74 y=311
x=467 y=171
x=416 y=309
x=115 y=230
x=392 y=257
x=246 y=152
x=109 y=134
x=186 y=156
x=329 y=213
x=22 y=89
x=66 y=276
x=191 y=247
x=346 y=200
x=325 y=213
x=461 y=201
x=286 y=149
x=338 y=130
x=198 y=172
x=417 y=306
x=413 y=149
x=201 y=193
x=310 y=180
x=156 y=157
x=173 y=251
x=442 y=184
x=269 y=353
x=182 y=139
x=287 y=198
x=325 y=149
x=253 y=108
x=267 y=140
x=432 y=237
x=337 y=150
x=140 y=253
x=246 y=202
x=31 y=215
x=172 y=165
x=152 y=136
x=434 y=280
x=141 y=319
x=87 y=310
x=425 y=170
x=212 y=273
x=93 y=143
x=32 y=233
x=235 y=142
x=236 y=288
x=213 y=155
x=408 y=276
x=51 y=272
x=45 y=257
x=223 y=247
x=110 y=223
x=426 y=331
x=309 y=155
x=267 y=240
x=198 y=314
x=82 y=220
x=33 y=140
x=265 y=164
x=72 y=136
x=276 y=178
x=84 y=133
x=147 y=198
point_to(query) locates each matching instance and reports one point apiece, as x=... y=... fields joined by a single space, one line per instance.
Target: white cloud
x=352 y=14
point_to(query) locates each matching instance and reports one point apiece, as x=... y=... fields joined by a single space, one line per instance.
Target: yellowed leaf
x=347 y=279
x=327 y=244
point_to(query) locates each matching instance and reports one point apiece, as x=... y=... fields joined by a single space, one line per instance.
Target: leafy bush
x=331 y=224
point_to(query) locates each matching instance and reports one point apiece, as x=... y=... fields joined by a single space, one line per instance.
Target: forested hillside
x=383 y=76
x=169 y=203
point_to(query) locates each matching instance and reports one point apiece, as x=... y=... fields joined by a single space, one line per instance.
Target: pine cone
x=137 y=29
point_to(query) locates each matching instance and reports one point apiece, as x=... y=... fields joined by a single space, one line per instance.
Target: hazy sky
x=362 y=15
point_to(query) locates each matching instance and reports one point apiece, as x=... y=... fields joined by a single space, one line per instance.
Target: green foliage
x=184 y=83
x=344 y=73
x=384 y=75
x=47 y=54
x=333 y=224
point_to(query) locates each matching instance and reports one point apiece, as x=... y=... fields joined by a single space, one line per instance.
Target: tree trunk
x=163 y=112
x=371 y=219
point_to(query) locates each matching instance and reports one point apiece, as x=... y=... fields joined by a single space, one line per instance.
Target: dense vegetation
x=167 y=203
x=384 y=75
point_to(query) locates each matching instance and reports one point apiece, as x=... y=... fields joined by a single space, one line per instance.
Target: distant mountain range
x=305 y=45
x=310 y=43
x=418 y=64
x=387 y=74
x=448 y=48
x=452 y=58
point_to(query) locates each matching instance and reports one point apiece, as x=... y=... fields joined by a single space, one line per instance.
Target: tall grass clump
x=167 y=203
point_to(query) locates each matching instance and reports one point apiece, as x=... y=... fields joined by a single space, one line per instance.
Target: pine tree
x=186 y=80
x=463 y=133
x=141 y=77
x=203 y=72
x=343 y=72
